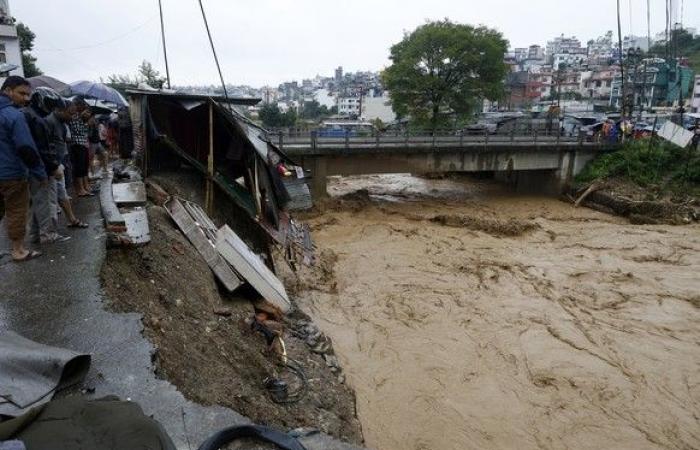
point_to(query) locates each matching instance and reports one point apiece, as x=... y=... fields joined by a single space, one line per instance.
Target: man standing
x=19 y=160
x=57 y=121
x=43 y=227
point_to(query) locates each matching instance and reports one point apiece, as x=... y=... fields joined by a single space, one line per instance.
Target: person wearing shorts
x=78 y=150
x=58 y=132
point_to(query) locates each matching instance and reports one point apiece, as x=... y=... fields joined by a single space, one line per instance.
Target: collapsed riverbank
x=573 y=329
x=205 y=345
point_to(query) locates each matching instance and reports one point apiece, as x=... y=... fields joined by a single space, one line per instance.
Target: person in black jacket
x=43 y=225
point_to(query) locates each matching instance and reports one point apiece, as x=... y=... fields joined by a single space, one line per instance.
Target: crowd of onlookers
x=48 y=149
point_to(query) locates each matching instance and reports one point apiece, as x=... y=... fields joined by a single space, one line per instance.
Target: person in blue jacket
x=19 y=160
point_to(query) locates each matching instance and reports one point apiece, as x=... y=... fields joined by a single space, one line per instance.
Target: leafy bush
x=644 y=165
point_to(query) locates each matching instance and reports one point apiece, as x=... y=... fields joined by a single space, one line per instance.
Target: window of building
x=3 y=55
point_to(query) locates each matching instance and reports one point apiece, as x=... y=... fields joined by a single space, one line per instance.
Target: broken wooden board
x=196 y=236
x=129 y=194
x=137 y=226
x=252 y=268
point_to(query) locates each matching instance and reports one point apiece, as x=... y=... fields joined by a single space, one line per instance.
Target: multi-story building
x=535 y=52
x=655 y=83
x=573 y=58
x=349 y=106
x=520 y=54
x=597 y=84
x=600 y=50
x=562 y=44
x=339 y=74
x=9 y=42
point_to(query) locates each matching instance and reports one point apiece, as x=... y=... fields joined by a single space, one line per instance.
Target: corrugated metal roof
x=247 y=101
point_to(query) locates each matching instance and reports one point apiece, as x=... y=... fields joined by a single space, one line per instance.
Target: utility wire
x=109 y=41
x=211 y=42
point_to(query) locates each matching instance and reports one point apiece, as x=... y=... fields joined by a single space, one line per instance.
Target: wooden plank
x=196 y=236
x=137 y=226
x=252 y=268
x=129 y=194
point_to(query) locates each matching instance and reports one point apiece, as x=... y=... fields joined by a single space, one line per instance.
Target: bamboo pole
x=210 y=163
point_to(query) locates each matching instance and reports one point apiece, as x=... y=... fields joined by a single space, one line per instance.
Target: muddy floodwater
x=467 y=317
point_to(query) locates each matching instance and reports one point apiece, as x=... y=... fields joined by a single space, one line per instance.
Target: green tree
x=687 y=45
x=313 y=110
x=146 y=74
x=150 y=76
x=272 y=117
x=26 y=44
x=442 y=69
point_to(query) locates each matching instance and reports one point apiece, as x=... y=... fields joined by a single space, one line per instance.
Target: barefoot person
x=19 y=160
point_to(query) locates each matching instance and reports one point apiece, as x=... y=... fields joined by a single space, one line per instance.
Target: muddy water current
x=470 y=318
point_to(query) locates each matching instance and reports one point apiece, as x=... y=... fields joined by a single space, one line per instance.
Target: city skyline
x=267 y=43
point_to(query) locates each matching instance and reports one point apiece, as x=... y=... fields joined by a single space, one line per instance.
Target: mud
x=579 y=331
x=204 y=342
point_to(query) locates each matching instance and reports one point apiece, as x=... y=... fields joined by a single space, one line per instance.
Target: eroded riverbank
x=574 y=329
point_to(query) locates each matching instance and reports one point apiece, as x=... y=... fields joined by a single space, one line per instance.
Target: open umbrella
x=49 y=82
x=99 y=91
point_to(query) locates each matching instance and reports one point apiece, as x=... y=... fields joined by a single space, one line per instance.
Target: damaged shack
x=204 y=144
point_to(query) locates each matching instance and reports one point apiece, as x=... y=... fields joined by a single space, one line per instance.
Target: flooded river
x=470 y=318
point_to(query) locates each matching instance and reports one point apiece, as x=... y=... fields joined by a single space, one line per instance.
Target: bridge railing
x=413 y=138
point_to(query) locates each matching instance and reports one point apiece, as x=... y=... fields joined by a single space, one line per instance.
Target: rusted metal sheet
x=129 y=194
x=137 y=226
x=252 y=268
x=198 y=238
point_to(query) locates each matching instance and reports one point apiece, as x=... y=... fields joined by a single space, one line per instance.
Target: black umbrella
x=49 y=82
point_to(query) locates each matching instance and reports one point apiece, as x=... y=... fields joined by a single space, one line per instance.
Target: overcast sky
x=263 y=42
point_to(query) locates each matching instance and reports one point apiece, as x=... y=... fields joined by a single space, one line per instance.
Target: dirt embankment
x=578 y=332
x=205 y=345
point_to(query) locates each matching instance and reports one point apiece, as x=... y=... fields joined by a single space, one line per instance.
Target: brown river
x=468 y=317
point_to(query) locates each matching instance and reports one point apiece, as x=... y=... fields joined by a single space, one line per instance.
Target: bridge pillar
x=319 y=174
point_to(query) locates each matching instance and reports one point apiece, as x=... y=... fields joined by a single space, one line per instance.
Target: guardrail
x=440 y=138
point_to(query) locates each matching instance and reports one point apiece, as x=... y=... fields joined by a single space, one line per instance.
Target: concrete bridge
x=540 y=163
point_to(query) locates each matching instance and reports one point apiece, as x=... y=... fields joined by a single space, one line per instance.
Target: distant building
x=569 y=59
x=339 y=74
x=695 y=101
x=535 y=52
x=349 y=106
x=562 y=44
x=520 y=54
x=600 y=50
x=325 y=98
x=629 y=42
x=374 y=108
x=9 y=42
x=655 y=83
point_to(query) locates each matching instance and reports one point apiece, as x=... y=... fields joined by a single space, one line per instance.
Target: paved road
x=57 y=300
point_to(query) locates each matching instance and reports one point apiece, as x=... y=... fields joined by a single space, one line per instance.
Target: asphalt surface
x=56 y=300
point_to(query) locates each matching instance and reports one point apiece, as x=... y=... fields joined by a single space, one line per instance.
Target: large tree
x=26 y=44
x=272 y=117
x=441 y=70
